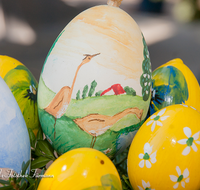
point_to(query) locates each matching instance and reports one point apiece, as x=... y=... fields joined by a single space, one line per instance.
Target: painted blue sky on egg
x=14 y=138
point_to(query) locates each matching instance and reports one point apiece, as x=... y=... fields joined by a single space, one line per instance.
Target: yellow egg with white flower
x=165 y=152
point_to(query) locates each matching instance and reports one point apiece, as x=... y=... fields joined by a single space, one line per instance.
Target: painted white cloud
x=6 y=113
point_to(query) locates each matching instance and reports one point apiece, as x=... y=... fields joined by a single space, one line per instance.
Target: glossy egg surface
x=165 y=152
x=83 y=169
x=174 y=83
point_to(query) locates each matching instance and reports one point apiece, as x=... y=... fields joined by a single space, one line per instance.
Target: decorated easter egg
x=165 y=152
x=14 y=139
x=174 y=83
x=82 y=168
x=24 y=88
x=94 y=88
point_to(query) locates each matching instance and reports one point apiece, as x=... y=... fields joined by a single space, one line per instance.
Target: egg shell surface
x=23 y=85
x=174 y=83
x=14 y=138
x=165 y=152
x=83 y=169
x=94 y=88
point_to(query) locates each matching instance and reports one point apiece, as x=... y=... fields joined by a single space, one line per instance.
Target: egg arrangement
x=94 y=88
x=165 y=152
x=96 y=96
x=14 y=139
x=23 y=85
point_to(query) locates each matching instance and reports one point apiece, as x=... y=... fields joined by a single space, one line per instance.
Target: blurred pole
x=2 y=22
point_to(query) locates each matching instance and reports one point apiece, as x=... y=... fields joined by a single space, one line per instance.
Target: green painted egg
x=23 y=85
x=174 y=83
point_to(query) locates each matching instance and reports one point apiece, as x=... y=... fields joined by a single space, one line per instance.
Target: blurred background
x=171 y=28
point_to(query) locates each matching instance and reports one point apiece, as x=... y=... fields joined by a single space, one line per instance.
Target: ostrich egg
x=14 y=139
x=174 y=83
x=94 y=88
x=24 y=88
x=82 y=168
x=165 y=152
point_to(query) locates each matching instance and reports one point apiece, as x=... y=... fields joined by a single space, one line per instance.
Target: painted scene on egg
x=94 y=95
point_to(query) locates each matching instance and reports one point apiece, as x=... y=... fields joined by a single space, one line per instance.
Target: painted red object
x=117 y=88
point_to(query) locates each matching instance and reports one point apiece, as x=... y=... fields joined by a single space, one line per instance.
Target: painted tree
x=85 y=90
x=130 y=91
x=145 y=79
x=92 y=88
x=78 y=95
x=98 y=93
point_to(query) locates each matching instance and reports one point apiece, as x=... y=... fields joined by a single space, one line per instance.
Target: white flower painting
x=145 y=186
x=189 y=141
x=148 y=157
x=156 y=119
x=181 y=178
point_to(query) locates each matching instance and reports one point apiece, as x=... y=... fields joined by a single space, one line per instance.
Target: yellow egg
x=81 y=169
x=165 y=152
x=24 y=88
x=174 y=83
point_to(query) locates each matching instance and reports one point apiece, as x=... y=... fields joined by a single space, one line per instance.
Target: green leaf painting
x=145 y=79
x=24 y=88
x=170 y=87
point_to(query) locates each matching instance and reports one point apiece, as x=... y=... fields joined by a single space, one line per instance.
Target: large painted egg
x=165 y=152
x=94 y=88
x=24 y=88
x=82 y=168
x=14 y=139
x=174 y=83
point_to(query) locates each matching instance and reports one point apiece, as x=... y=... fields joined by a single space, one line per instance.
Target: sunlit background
x=171 y=28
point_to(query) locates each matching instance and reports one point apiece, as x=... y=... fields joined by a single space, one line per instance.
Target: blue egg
x=14 y=138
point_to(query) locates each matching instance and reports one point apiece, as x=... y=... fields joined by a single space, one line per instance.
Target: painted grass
x=104 y=105
x=68 y=134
